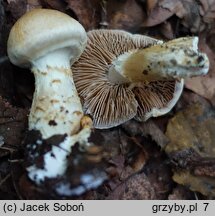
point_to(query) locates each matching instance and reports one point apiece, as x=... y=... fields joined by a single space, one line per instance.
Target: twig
x=6 y=116
x=196 y=196
x=16 y=161
x=10 y=121
x=8 y=149
x=5 y=179
x=104 y=24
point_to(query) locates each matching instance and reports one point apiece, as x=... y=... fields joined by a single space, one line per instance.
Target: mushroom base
x=67 y=172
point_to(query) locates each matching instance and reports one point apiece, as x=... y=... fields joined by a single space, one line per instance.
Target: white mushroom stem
x=56 y=109
x=48 y=42
x=175 y=59
x=55 y=161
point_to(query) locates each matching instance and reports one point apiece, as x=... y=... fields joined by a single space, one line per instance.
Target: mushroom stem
x=176 y=59
x=56 y=107
x=48 y=42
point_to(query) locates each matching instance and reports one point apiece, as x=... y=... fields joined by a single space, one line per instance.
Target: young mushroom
x=120 y=76
x=48 y=41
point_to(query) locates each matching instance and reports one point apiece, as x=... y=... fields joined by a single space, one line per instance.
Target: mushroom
x=47 y=41
x=121 y=76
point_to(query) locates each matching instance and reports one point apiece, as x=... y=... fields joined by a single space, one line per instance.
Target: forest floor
x=169 y=157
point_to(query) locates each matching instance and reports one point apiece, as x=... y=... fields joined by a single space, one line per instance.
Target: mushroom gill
x=108 y=103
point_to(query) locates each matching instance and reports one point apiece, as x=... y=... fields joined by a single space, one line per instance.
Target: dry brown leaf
x=56 y=4
x=204 y=86
x=201 y=184
x=194 y=15
x=86 y=12
x=151 y=4
x=191 y=147
x=180 y=193
x=32 y=4
x=156 y=14
x=17 y=8
x=136 y=187
x=207 y=11
x=149 y=128
x=134 y=159
x=187 y=11
x=167 y=30
x=193 y=128
x=126 y=15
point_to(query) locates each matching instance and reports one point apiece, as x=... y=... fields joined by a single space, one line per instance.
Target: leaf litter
x=171 y=157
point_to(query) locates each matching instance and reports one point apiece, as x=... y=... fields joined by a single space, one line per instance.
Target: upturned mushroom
x=48 y=41
x=120 y=76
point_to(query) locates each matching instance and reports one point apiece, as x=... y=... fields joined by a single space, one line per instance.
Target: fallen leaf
x=194 y=15
x=207 y=11
x=157 y=14
x=148 y=128
x=204 y=85
x=193 y=128
x=151 y=4
x=122 y=170
x=203 y=185
x=56 y=4
x=134 y=153
x=86 y=12
x=32 y=4
x=167 y=30
x=187 y=11
x=189 y=159
x=191 y=148
x=17 y=8
x=180 y=193
x=119 y=17
x=159 y=174
x=189 y=98
x=136 y=187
